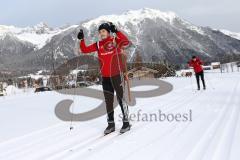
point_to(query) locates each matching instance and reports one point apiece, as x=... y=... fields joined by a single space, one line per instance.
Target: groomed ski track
x=214 y=133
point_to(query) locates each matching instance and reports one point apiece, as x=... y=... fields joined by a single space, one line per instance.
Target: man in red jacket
x=196 y=63
x=110 y=56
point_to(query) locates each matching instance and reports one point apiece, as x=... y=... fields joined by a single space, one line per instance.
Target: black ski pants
x=198 y=76
x=111 y=84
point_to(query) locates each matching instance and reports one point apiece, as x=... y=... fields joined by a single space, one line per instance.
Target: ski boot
x=110 y=128
x=126 y=127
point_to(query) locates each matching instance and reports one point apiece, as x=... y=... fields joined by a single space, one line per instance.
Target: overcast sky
x=219 y=14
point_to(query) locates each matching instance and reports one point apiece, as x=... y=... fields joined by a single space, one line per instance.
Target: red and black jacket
x=110 y=51
x=197 y=65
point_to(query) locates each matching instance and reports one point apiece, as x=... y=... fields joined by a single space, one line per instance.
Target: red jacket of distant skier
x=110 y=53
x=197 y=65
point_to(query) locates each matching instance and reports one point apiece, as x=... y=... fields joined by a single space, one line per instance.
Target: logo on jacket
x=109 y=46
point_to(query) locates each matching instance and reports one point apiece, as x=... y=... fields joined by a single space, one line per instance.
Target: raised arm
x=83 y=47
x=121 y=39
x=87 y=49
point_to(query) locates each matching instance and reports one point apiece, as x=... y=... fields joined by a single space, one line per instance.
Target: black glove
x=113 y=28
x=80 y=35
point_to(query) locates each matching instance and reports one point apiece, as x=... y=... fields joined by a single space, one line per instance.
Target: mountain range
x=154 y=34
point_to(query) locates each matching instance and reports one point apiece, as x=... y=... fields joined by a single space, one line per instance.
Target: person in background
x=196 y=63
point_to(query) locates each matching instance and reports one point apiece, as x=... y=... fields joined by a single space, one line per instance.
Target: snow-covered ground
x=30 y=130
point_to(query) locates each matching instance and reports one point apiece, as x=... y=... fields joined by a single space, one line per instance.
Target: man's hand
x=113 y=28
x=80 y=35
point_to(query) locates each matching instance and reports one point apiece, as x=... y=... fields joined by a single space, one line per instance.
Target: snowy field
x=31 y=131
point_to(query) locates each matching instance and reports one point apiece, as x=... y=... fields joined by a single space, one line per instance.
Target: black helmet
x=105 y=26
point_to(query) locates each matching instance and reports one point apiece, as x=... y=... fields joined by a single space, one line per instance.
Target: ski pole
x=128 y=82
x=129 y=92
x=122 y=79
x=72 y=110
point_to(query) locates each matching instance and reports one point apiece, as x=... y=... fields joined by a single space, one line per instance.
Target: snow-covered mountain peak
x=133 y=17
x=42 y=28
x=8 y=29
x=38 y=35
x=231 y=34
x=151 y=13
x=42 y=25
